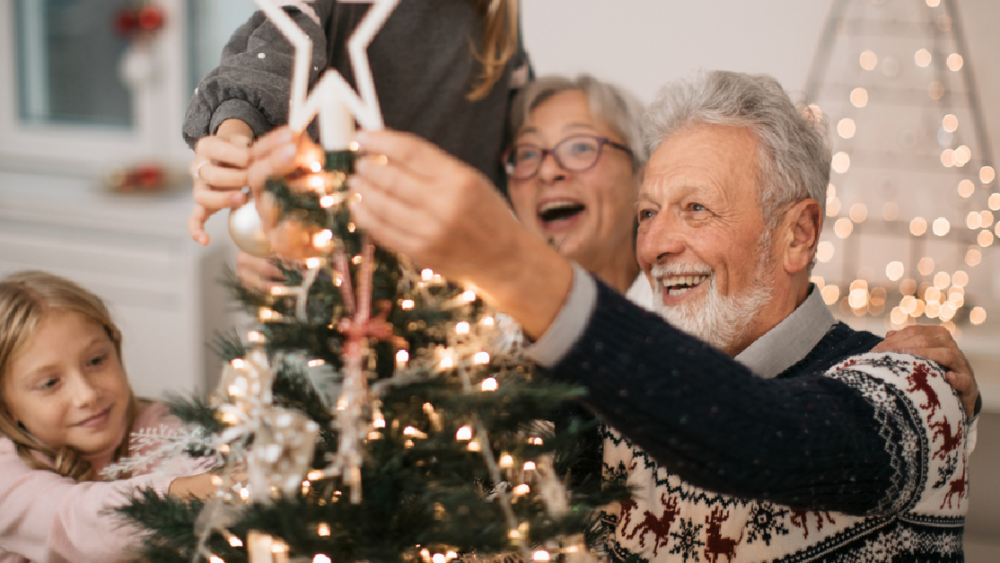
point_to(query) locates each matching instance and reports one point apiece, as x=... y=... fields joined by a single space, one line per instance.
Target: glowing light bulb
x=402 y=357
x=541 y=556
x=506 y=461
x=427 y=274
x=529 y=466
x=858 y=213
x=859 y=97
x=843 y=227
x=824 y=251
x=985 y=238
x=846 y=128
x=949 y=123
x=986 y=175
x=521 y=490
x=977 y=316
x=464 y=434
x=323 y=529
x=925 y=266
x=894 y=270
x=462 y=328
x=237 y=363
x=841 y=162
x=923 y=58
x=320 y=558
x=235 y=541
x=313 y=263
x=489 y=384
x=481 y=358
x=941 y=226
x=868 y=60
x=831 y=294
x=918 y=226
x=955 y=62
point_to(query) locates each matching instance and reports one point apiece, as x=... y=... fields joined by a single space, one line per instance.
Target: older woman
x=581 y=200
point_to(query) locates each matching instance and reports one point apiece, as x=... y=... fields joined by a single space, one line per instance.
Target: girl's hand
x=219 y=171
x=936 y=344
x=258 y=273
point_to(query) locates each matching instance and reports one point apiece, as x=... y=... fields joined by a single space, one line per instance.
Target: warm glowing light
x=256 y=337
x=235 y=541
x=935 y=90
x=974 y=220
x=846 y=128
x=919 y=308
x=407 y=304
x=402 y=357
x=230 y=418
x=922 y=58
x=462 y=328
x=832 y=207
x=447 y=362
x=908 y=287
x=506 y=461
x=894 y=270
x=841 y=162
x=985 y=238
x=313 y=263
x=918 y=226
x=890 y=211
x=831 y=294
x=427 y=274
x=327 y=201
x=948 y=158
x=987 y=174
x=315 y=475
x=955 y=62
x=941 y=226
x=521 y=490
x=439 y=558
x=973 y=257
x=859 y=97
x=824 y=251
x=323 y=529
x=859 y=212
x=947 y=312
x=320 y=558
x=322 y=239
x=966 y=188
x=843 y=227
x=977 y=316
x=994 y=202
x=949 y=123
x=481 y=358
x=933 y=3
x=237 y=363
x=474 y=447
x=898 y=316
x=857 y=298
x=464 y=434
x=869 y=60
x=489 y=384
x=932 y=294
x=986 y=218
x=932 y=309
x=357 y=260
x=487 y=321
x=536 y=441
x=529 y=466
x=963 y=154
x=541 y=555
x=216 y=559
x=942 y=280
x=925 y=266
x=513 y=534
x=818 y=281
x=960 y=279
x=244 y=494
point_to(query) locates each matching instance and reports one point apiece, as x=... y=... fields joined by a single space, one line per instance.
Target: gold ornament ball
x=247 y=232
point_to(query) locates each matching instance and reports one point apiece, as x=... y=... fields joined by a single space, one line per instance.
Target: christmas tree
x=379 y=413
x=912 y=197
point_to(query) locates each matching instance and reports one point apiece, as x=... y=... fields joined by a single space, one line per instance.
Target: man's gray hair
x=614 y=106
x=794 y=156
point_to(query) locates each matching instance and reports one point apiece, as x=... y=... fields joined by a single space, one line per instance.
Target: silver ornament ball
x=247 y=231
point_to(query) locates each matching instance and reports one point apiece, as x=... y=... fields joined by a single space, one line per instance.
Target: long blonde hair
x=26 y=299
x=499 y=43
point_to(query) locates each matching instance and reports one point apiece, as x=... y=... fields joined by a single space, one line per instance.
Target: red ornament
x=149 y=176
x=126 y=21
x=150 y=18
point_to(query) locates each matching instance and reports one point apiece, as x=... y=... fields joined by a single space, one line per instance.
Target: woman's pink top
x=48 y=518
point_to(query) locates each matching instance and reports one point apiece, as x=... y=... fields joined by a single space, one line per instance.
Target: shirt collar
x=791 y=339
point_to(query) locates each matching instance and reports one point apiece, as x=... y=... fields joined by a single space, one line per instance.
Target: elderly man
x=839 y=456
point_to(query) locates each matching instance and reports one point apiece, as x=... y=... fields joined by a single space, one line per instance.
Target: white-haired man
x=831 y=455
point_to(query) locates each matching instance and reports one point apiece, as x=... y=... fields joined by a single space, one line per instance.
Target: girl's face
x=68 y=388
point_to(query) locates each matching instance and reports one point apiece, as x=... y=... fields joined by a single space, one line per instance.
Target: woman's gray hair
x=614 y=106
x=794 y=156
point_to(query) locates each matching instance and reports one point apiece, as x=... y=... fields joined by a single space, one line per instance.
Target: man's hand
x=935 y=343
x=219 y=171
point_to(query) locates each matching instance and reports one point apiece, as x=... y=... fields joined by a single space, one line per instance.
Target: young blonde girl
x=66 y=413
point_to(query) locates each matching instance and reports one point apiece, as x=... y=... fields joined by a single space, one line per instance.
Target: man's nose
x=659 y=238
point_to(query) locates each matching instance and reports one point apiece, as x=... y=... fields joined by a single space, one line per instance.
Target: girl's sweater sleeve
x=252 y=82
x=46 y=517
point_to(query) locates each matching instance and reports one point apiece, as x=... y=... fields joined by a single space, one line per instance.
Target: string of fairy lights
x=921 y=281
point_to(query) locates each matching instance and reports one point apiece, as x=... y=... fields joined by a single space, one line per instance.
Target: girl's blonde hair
x=26 y=299
x=500 y=42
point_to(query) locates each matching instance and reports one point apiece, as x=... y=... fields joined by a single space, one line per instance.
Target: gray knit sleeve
x=252 y=82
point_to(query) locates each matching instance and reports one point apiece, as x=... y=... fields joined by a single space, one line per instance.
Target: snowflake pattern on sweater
x=920 y=517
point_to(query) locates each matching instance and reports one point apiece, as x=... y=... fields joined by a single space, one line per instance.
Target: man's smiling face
x=702 y=238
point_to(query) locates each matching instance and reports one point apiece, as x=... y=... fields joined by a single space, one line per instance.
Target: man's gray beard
x=721 y=321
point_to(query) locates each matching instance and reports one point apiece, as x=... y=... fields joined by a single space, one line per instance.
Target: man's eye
x=646 y=214
x=697 y=207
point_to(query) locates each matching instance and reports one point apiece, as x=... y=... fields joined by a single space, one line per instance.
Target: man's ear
x=801 y=227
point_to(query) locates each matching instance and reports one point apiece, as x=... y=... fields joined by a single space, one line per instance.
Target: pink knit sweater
x=46 y=517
